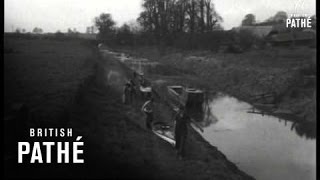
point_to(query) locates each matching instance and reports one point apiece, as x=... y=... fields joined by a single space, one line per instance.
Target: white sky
x=53 y=15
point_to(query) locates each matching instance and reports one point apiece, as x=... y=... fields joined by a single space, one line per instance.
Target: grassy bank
x=288 y=73
x=120 y=146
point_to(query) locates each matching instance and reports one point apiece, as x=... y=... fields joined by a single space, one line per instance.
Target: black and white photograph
x=160 y=89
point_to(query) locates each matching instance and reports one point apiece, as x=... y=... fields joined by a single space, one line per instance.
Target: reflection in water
x=203 y=116
x=264 y=146
x=209 y=117
x=306 y=130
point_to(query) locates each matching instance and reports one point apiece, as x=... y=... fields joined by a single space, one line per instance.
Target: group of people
x=181 y=118
x=130 y=89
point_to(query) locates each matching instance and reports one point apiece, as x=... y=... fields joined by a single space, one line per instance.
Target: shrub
x=246 y=39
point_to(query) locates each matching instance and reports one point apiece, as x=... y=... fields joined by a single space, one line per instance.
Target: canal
x=263 y=146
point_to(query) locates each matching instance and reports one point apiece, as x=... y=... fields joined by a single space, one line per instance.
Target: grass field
x=44 y=74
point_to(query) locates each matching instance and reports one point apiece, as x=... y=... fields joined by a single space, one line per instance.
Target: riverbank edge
x=243 y=96
x=231 y=166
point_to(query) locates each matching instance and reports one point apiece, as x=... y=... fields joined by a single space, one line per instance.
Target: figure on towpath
x=147 y=108
x=181 y=130
x=144 y=88
x=127 y=96
x=125 y=93
x=132 y=91
x=143 y=81
x=129 y=92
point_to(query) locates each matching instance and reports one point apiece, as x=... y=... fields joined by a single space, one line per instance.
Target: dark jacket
x=181 y=127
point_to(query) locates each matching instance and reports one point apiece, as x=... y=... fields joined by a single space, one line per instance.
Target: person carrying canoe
x=181 y=130
x=147 y=108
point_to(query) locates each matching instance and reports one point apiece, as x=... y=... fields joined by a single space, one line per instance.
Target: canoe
x=145 y=89
x=165 y=136
x=163 y=131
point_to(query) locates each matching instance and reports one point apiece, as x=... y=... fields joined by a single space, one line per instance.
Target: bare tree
x=37 y=30
x=279 y=17
x=201 y=21
x=213 y=18
x=18 y=31
x=105 y=25
x=192 y=13
x=70 y=31
x=248 y=20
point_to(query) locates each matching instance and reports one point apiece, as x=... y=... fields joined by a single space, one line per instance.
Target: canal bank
x=119 y=145
x=288 y=73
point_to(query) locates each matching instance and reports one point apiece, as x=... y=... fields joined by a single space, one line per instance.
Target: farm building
x=277 y=34
x=305 y=37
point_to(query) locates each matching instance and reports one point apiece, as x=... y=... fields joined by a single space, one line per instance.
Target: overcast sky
x=53 y=15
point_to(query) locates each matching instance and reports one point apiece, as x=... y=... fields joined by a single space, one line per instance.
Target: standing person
x=142 y=81
x=181 y=130
x=132 y=90
x=135 y=75
x=143 y=85
x=147 y=108
x=126 y=93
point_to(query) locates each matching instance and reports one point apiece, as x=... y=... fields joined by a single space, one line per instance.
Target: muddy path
x=119 y=146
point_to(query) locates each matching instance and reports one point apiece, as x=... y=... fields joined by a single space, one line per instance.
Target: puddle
x=265 y=147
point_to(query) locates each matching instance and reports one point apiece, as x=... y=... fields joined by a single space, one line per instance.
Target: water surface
x=265 y=147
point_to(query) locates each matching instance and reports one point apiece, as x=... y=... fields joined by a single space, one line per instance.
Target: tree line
x=187 y=24
x=162 y=17
x=163 y=22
